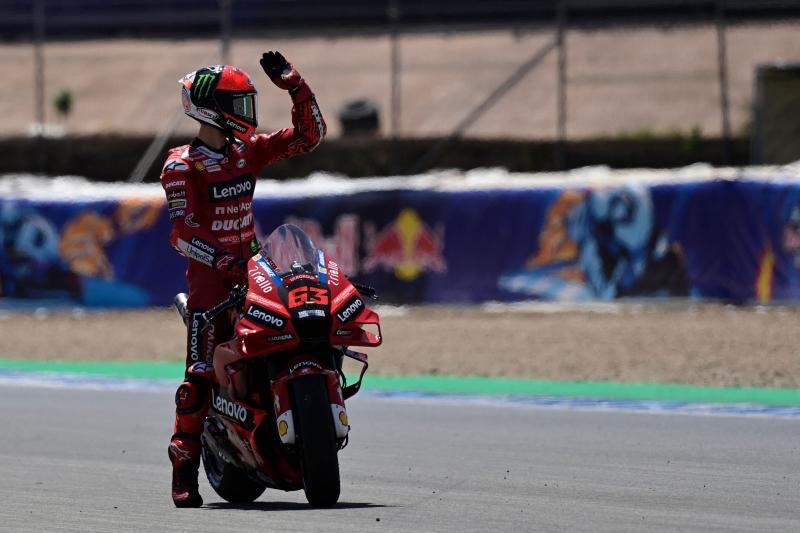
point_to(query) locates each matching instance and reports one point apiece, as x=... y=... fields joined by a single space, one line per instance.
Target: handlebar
x=365 y=290
x=235 y=298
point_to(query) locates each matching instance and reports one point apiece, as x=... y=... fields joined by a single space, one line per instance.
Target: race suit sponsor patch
x=195 y=252
x=195 y=335
x=176 y=166
x=265 y=317
x=203 y=245
x=177 y=204
x=177 y=194
x=232 y=224
x=234 y=188
x=176 y=213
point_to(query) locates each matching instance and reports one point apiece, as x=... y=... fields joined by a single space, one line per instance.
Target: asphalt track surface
x=79 y=460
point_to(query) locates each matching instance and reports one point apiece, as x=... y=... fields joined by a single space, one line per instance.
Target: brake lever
x=365 y=290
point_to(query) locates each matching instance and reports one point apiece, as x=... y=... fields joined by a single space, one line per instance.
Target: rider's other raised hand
x=280 y=71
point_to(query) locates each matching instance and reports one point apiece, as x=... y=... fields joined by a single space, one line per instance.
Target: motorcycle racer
x=209 y=185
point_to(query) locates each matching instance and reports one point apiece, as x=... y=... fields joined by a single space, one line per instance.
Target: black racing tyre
x=230 y=482
x=316 y=438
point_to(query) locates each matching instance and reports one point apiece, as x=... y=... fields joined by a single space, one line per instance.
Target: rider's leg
x=192 y=398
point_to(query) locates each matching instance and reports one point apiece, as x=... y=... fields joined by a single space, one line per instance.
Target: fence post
x=225 y=24
x=394 y=37
x=38 y=70
x=561 y=142
x=722 y=60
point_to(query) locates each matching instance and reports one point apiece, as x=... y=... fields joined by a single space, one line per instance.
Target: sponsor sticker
x=235 y=125
x=304 y=364
x=350 y=310
x=265 y=317
x=175 y=183
x=280 y=338
x=180 y=193
x=207 y=113
x=176 y=213
x=232 y=410
x=311 y=312
x=177 y=204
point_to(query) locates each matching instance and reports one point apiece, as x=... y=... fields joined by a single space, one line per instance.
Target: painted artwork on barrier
x=49 y=262
x=779 y=259
x=601 y=244
x=734 y=240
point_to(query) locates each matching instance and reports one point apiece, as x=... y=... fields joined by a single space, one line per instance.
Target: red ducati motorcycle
x=278 y=416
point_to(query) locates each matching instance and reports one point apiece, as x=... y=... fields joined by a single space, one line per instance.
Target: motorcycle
x=277 y=417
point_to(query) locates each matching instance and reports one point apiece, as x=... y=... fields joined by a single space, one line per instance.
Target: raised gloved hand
x=231 y=268
x=280 y=71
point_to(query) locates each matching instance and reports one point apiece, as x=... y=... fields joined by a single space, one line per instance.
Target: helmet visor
x=245 y=107
x=241 y=105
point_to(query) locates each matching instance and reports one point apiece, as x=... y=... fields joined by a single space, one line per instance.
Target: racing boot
x=184 y=454
x=191 y=406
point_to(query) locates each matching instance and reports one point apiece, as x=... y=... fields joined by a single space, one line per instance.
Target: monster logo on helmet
x=221 y=96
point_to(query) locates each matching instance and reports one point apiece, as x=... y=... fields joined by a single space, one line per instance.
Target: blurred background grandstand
x=407 y=85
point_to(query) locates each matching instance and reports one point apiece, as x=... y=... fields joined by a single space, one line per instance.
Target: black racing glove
x=231 y=267
x=280 y=71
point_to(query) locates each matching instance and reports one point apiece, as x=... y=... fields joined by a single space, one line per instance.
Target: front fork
x=282 y=403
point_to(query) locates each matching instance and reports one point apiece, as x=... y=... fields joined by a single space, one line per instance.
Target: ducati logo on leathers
x=231 y=189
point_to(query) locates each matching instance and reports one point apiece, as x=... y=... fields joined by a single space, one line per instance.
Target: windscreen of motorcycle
x=289 y=245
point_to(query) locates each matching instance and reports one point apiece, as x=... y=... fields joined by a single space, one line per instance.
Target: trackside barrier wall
x=736 y=240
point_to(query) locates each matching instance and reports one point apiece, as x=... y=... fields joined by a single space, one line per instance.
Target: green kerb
x=157 y=370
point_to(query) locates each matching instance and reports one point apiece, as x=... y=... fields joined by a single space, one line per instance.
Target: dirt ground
x=620 y=80
x=696 y=344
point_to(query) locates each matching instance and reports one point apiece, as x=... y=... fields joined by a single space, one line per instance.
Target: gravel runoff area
x=627 y=80
x=700 y=344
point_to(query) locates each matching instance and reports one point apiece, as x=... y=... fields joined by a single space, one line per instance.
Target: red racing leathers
x=210 y=203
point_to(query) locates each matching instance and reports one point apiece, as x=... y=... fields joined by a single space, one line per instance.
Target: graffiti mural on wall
x=601 y=244
x=40 y=259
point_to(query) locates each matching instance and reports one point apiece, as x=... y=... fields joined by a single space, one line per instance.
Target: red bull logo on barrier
x=407 y=246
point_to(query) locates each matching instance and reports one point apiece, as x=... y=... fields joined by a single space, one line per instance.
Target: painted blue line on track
x=103 y=383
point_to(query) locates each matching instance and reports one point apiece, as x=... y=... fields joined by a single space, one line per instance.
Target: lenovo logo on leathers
x=231 y=189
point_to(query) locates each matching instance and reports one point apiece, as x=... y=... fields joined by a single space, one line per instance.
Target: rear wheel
x=230 y=482
x=316 y=437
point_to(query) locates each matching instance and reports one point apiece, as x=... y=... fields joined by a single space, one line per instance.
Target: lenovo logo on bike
x=262 y=316
x=304 y=364
x=231 y=189
x=350 y=310
x=232 y=410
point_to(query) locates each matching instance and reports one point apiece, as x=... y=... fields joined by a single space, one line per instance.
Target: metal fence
x=551 y=22
x=84 y=18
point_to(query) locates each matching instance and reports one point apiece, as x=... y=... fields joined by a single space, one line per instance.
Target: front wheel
x=316 y=440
